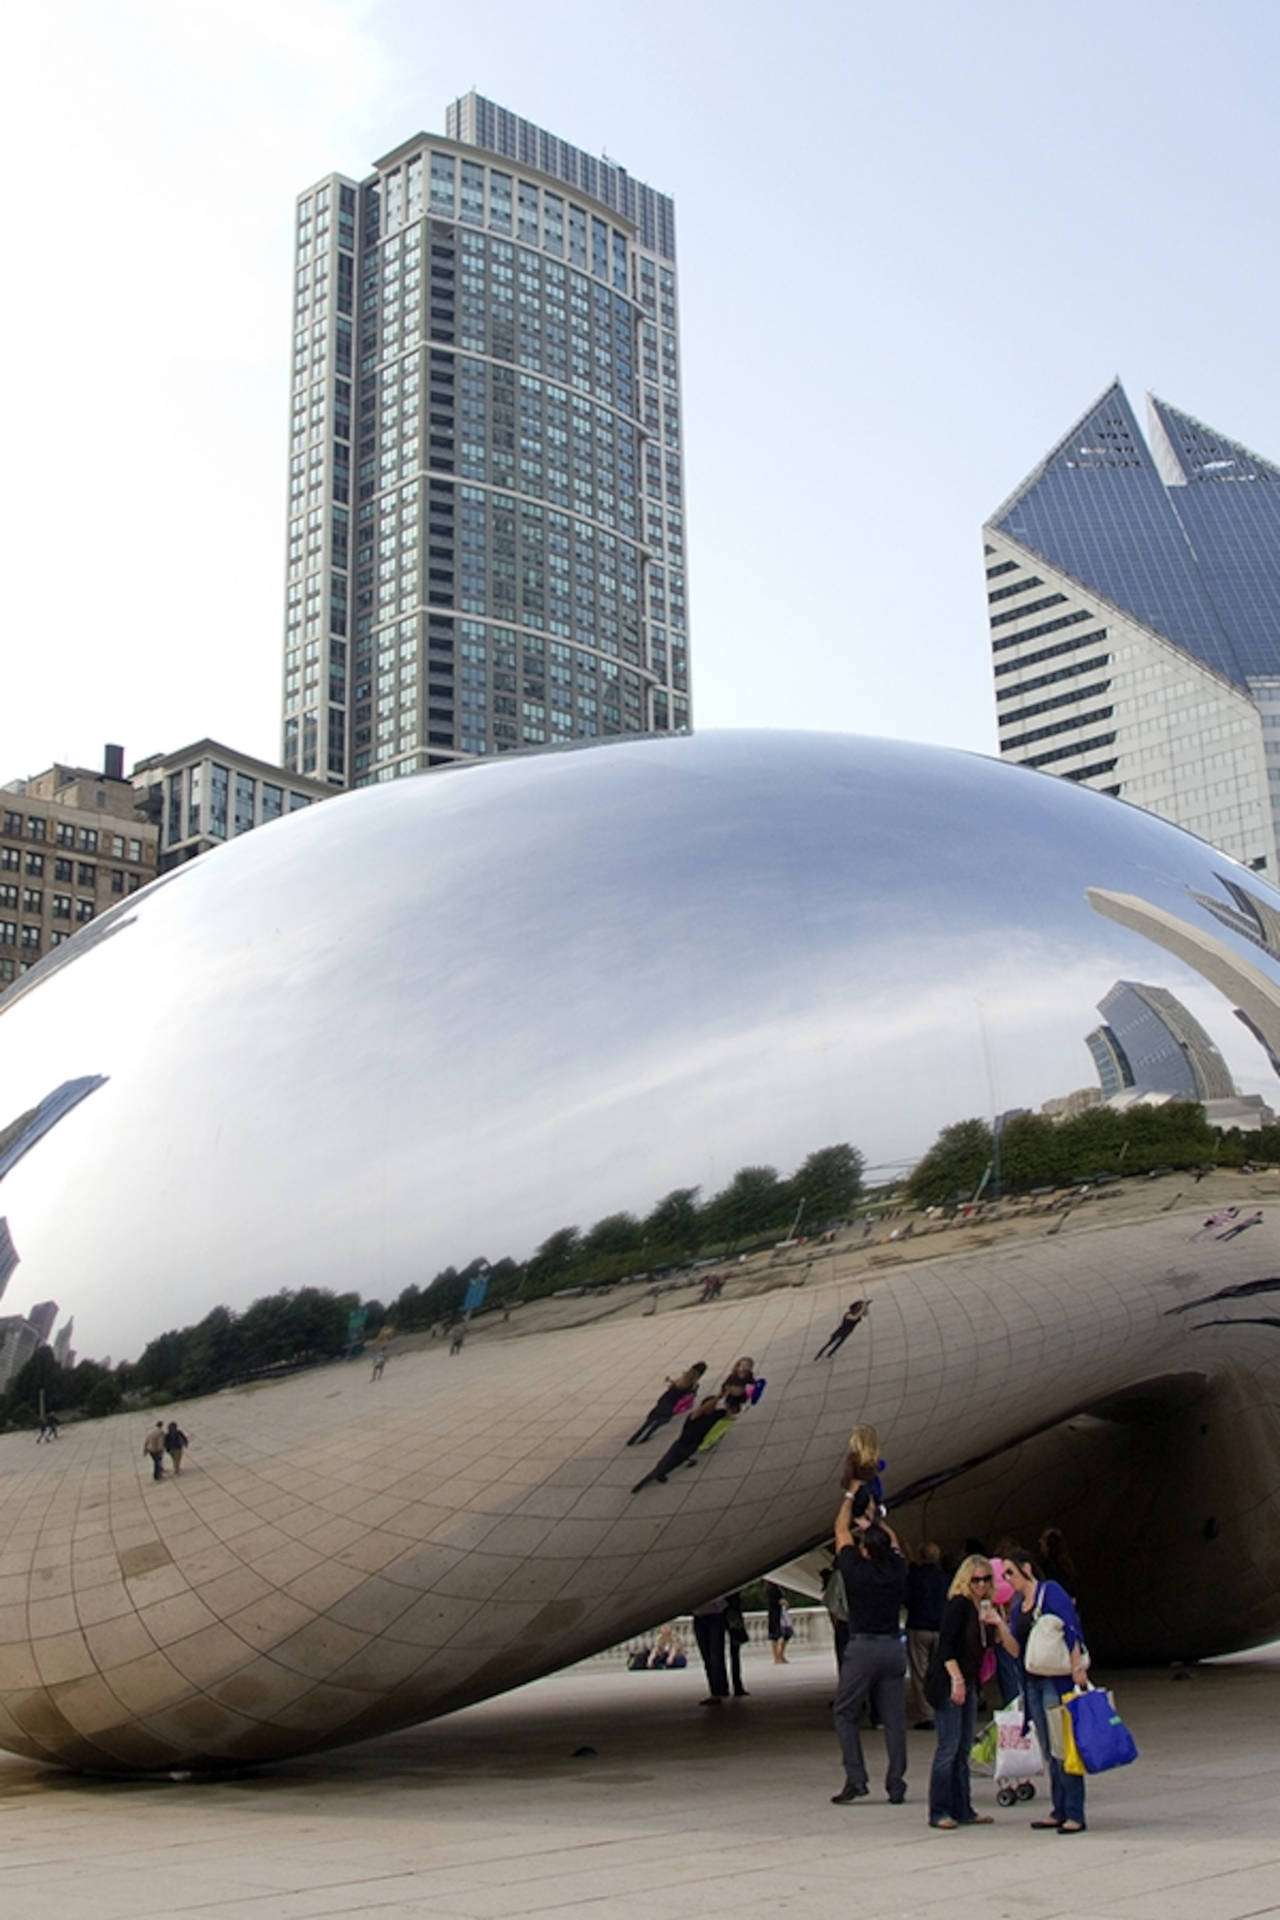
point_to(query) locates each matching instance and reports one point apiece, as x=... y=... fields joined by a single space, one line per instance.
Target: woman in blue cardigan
x=1036 y=1597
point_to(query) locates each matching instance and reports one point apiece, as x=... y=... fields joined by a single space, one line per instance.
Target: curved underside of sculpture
x=451 y=1016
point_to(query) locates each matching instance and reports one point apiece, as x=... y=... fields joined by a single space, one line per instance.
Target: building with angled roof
x=1133 y=591
x=486 y=545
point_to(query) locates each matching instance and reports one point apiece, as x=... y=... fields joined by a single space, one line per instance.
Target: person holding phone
x=971 y=1622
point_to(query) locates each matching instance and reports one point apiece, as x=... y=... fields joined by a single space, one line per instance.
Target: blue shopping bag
x=1101 y=1736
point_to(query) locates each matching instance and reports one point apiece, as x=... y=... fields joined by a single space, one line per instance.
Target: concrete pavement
x=497 y=1813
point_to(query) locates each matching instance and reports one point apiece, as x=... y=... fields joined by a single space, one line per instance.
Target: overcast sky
x=915 y=242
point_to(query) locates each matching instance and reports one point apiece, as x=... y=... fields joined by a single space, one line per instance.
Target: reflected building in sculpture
x=486 y=493
x=1133 y=593
x=1150 y=1043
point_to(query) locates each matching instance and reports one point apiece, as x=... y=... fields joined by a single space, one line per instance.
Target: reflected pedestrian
x=676 y=1397
x=853 y=1315
x=740 y=1388
x=153 y=1447
x=175 y=1444
x=692 y=1434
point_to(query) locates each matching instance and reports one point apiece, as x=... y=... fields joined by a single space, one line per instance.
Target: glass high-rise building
x=486 y=544
x=1133 y=592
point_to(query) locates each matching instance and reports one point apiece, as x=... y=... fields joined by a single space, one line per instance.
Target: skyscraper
x=1134 y=604
x=486 y=497
x=1151 y=1043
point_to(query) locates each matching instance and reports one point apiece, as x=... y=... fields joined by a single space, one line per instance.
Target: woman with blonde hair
x=860 y=1475
x=970 y=1623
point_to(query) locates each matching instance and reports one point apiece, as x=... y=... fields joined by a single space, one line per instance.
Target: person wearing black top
x=692 y=1434
x=874 y=1665
x=926 y=1597
x=971 y=1621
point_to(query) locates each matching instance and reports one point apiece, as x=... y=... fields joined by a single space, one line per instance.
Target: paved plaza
x=603 y=1794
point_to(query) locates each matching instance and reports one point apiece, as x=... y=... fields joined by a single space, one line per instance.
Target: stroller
x=1013 y=1756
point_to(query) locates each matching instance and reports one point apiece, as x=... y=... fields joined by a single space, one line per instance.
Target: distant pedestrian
x=736 y=1637
x=837 y=1606
x=175 y=1444
x=153 y=1447
x=459 y=1336
x=926 y=1597
x=380 y=1347
x=711 y=1629
x=853 y=1315
x=778 y=1622
x=676 y=1397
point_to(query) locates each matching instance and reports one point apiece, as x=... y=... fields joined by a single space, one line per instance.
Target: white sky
x=914 y=243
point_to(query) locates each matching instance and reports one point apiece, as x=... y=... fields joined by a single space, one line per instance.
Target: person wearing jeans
x=970 y=1622
x=153 y=1447
x=1067 y=1789
x=1037 y=1598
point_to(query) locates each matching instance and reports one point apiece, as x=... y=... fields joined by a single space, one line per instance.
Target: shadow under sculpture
x=560 y=987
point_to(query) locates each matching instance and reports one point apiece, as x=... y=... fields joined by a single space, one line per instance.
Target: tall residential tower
x=1134 y=604
x=486 y=496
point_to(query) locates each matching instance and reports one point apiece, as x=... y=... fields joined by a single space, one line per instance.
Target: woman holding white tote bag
x=1054 y=1659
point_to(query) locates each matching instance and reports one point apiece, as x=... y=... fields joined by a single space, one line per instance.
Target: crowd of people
x=913 y=1640
x=918 y=1643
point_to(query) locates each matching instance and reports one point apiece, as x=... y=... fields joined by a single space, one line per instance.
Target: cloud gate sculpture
x=446 y=1017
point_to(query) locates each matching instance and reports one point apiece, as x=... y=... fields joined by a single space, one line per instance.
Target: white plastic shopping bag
x=1018 y=1755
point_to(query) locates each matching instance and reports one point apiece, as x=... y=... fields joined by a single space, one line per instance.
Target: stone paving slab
x=493 y=1814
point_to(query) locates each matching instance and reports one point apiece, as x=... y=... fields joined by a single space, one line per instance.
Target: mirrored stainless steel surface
x=445 y=1017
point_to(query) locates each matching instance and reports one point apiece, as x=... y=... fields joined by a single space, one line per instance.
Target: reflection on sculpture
x=452 y=1014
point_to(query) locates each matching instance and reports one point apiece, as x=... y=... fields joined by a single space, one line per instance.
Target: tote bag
x=1102 y=1739
x=1046 y=1651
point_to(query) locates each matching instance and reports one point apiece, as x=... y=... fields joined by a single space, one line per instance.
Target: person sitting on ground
x=668 y=1648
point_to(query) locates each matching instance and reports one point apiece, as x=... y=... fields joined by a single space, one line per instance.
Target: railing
x=811 y=1628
